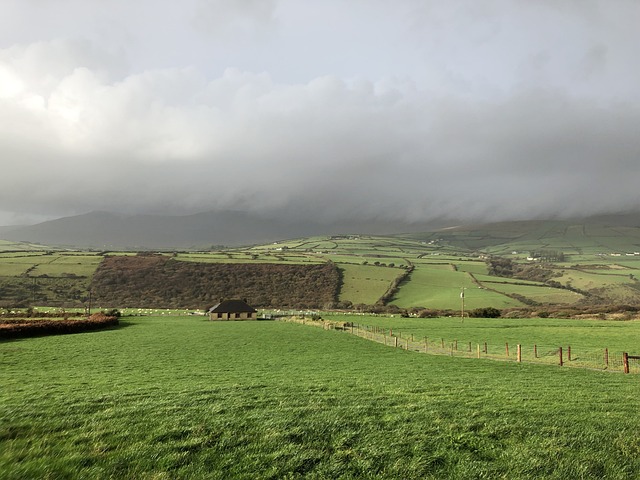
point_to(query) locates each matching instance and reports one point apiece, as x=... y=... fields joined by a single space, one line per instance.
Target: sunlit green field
x=180 y=397
x=436 y=286
x=366 y=283
x=540 y=338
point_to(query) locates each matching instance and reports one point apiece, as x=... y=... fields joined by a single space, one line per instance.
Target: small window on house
x=237 y=315
x=219 y=315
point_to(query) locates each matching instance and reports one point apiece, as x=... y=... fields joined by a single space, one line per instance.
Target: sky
x=327 y=110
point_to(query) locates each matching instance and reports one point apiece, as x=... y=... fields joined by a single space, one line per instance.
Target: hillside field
x=592 y=265
x=181 y=397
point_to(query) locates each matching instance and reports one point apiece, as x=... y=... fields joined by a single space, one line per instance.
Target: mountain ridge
x=108 y=230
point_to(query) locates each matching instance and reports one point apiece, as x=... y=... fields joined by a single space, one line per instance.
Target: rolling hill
x=105 y=230
x=535 y=265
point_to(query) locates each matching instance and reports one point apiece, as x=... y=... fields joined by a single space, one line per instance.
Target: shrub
x=486 y=312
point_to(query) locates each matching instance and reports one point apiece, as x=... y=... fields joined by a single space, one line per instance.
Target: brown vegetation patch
x=32 y=327
x=156 y=281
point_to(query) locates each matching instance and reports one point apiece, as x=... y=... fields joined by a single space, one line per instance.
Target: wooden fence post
x=506 y=346
x=519 y=353
x=412 y=337
x=478 y=350
x=406 y=346
x=395 y=342
x=485 y=348
x=469 y=347
x=535 y=351
x=560 y=353
x=442 y=339
x=625 y=362
x=606 y=357
x=569 y=352
x=456 y=345
x=384 y=334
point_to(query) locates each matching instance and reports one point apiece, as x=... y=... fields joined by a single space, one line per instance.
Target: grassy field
x=439 y=286
x=365 y=283
x=587 y=338
x=179 y=397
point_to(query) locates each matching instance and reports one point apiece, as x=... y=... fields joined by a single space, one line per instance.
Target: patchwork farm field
x=590 y=265
x=180 y=397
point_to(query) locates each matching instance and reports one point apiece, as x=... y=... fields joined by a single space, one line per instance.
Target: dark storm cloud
x=477 y=115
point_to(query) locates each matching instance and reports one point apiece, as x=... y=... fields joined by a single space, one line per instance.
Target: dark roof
x=232 y=306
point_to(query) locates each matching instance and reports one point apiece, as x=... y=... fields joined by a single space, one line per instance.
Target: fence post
x=478 y=350
x=385 y=338
x=606 y=357
x=519 y=353
x=625 y=361
x=442 y=339
x=535 y=351
x=395 y=342
x=569 y=352
x=456 y=345
x=406 y=346
x=485 y=348
x=469 y=347
x=560 y=353
x=506 y=346
x=412 y=337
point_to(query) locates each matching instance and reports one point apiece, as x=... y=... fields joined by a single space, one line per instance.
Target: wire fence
x=565 y=355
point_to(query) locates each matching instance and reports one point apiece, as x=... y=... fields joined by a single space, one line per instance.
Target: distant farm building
x=232 y=310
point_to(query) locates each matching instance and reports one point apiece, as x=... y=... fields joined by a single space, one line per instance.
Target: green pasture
x=475 y=267
x=583 y=335
x=543 y=295
x=9 y=246
x=586 y=280
x=51 y=264
x=180 y=397
x=500 y=280
x=61 y=265
x=365 y=283
x=439 y=286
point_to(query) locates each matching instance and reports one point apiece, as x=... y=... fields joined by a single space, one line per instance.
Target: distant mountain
x=104 y=230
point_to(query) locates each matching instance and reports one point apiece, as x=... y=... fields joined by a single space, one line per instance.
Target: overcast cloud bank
x=415 y=111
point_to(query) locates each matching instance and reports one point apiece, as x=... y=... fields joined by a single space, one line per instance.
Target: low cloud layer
x=473 y=128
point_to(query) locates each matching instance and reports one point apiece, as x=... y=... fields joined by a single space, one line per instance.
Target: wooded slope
x=161 y=282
